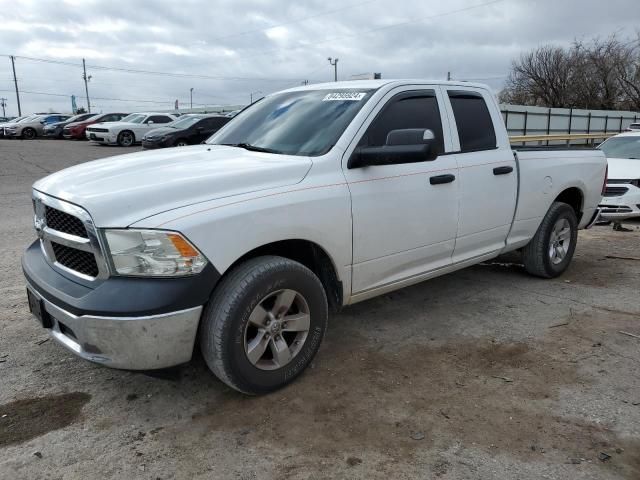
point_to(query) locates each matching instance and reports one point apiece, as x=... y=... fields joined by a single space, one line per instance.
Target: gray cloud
x=233 y=38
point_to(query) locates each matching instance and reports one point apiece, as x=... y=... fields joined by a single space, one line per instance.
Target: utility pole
x=15 y=80
x=448 y=76
x=3 y=102
x=191 y=97
x=86 y=84
x=334 y=62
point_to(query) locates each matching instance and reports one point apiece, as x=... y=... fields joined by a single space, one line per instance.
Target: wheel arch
x=130 y=131
x=309 y=254
x=574 y=197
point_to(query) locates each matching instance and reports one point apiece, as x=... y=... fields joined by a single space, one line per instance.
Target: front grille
x=615 y=191
x=103 y=130
x=65 y=223
x=78 y=260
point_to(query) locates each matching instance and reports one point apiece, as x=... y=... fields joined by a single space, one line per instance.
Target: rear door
x=404 y=223
x=488 y=176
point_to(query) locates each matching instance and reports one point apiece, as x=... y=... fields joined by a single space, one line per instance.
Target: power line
x=64 y=95
x=149 y=72
x=377 y=29
x=263 y=79
x=291 y=22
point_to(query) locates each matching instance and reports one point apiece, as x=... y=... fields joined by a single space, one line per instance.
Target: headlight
x=153 y=253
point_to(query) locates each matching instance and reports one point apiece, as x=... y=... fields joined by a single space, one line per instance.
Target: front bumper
x=132 y=343
x=121 y=322
x=626 y=205
x=73 y=134
x=150 y=144
x=102 y=137
x=52 y=132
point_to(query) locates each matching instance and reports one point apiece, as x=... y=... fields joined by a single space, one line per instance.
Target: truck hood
x=118 y=191
x=623 y=168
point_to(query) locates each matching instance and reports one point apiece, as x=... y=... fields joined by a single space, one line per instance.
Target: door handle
x=502 y=170
x=439 y=179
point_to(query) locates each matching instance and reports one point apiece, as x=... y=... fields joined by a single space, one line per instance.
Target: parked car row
x=120 y=129
x=31 y=126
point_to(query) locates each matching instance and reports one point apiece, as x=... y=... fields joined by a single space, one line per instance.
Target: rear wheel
x=126 y=138
x=264 y=324
x=550 y=251
x=28 y=134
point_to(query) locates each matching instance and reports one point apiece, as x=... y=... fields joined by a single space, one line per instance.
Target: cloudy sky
x=227 y=49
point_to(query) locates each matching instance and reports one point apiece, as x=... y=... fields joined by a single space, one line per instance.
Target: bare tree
x=602 y=74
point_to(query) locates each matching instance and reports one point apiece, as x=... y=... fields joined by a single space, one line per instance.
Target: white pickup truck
x=309 y=200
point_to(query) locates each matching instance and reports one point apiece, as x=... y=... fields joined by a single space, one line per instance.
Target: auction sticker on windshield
x=344 y=96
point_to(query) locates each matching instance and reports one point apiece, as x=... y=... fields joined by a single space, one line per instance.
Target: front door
x=404 y=221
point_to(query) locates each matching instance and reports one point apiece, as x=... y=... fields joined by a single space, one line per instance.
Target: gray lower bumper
x=132 y=343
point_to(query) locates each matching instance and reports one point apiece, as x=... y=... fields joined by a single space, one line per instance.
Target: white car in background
x=622 y=195
x=634 y=127
x=129 y=130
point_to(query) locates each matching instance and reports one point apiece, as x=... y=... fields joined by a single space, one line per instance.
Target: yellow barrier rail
x=560 y=137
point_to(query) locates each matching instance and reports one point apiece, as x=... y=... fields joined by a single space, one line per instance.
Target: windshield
x=134 y=118
x=306 y=122
x=184 y=122
x=622 y=147
x=29 y=118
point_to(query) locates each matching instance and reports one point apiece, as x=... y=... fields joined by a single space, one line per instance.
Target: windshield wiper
x=252 y=148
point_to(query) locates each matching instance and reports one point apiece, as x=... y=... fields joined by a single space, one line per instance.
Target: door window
x=159 y=119
x=214 y=123
x=475 y=127
x=415 y=109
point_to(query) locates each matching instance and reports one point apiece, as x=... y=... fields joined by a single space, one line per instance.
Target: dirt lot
x=483 y=374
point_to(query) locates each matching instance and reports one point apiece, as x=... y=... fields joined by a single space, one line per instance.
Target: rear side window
x=475 y=127
x=215 y=122
x=416 y=109
x=159 y=119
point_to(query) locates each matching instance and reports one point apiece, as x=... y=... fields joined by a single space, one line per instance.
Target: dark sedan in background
x=54 y=130
x=77 y=129
x=187 y=130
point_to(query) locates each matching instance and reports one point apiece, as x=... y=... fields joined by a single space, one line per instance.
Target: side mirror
x=150 y=122
x=408 y=145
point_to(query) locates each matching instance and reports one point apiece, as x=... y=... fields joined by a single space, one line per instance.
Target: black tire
x=537 y=256
x=181 y=142
x=126 y=138
x=29 y=134
x=225 y=322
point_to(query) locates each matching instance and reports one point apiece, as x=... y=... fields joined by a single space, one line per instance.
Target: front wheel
x=264 y=324
x=126 y=138
x=28 y=134
x=550 y=251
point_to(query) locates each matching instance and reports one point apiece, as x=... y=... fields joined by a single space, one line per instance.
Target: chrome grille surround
x=47 y=235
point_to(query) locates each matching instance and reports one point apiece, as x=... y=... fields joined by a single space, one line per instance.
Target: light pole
x=334 y=62
x=191 y=97
x=251 y=96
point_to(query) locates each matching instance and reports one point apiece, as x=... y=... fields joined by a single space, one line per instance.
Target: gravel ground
x=486 y=373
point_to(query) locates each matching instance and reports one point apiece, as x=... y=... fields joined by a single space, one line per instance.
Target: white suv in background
x=622 y=194
x=129 y=130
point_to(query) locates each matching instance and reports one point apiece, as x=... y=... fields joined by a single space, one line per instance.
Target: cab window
x=414 y=109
